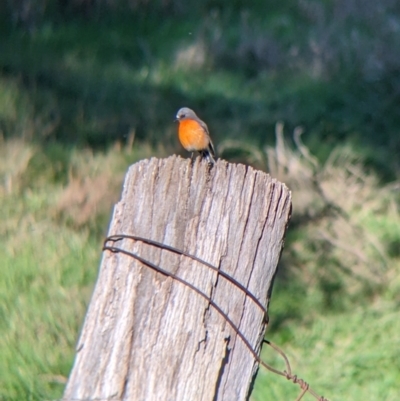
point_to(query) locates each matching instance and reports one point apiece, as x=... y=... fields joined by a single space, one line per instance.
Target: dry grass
x=336 y=205
x=15 y=155
x=94 y=183
x=93 y=186
x=344 y=222
x=83 y=199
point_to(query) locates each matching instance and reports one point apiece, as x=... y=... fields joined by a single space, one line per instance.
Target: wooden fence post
x=147 y=336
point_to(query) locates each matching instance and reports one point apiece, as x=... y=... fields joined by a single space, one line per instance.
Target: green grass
x=50 y=257
x=47 y=277
x=51 y=253
x=353 y=355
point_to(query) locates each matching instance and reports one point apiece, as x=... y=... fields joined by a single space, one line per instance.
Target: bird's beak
x=176 y=119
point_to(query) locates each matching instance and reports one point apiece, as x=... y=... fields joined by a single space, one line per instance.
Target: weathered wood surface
x=149 y=337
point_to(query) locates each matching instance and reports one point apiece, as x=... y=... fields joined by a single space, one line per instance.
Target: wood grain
x=149 y=337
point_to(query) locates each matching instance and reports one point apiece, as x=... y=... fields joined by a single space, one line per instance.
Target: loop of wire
x=285 y=373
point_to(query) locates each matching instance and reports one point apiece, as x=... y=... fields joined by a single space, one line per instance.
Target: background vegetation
x=306 y=90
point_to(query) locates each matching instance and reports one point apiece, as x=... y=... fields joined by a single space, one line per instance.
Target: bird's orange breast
x=192 y=136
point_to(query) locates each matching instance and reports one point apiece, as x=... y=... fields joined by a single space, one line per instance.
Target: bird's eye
x=182 y=115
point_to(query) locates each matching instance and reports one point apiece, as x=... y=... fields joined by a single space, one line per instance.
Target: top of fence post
x=148 y=336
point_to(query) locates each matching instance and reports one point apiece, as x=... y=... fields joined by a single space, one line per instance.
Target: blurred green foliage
x=93 y=70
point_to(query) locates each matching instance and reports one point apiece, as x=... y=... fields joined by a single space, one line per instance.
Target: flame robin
x=194 y=135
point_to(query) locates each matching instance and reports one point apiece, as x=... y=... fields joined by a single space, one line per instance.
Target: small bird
x=194 y=135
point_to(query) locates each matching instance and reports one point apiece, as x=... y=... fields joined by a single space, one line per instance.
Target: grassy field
x=81 y=100
x=51 y=241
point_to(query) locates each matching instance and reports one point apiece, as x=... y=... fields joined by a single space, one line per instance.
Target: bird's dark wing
x=211 y=148
x=204 y=126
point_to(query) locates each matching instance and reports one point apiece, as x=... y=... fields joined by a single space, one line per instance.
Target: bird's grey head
x=185 y=113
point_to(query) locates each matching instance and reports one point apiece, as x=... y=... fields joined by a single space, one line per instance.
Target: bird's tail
x=208 y=155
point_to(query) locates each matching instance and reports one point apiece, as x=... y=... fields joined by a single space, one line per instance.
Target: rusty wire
x=287 y=373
